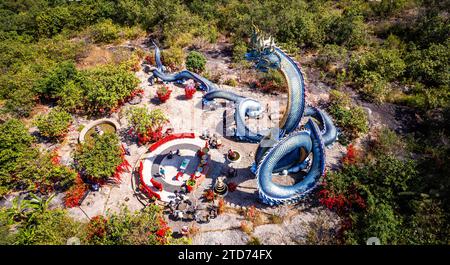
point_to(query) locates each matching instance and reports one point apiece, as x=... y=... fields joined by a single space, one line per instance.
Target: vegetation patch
x=54 y=125
x=99 y=160
x=351 y=119
x=195 y=62
x=146 y=125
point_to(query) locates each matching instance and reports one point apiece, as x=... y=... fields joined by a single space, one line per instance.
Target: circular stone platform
x=157 y=159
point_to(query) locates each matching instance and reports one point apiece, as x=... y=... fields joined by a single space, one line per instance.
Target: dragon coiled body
x=289 y=151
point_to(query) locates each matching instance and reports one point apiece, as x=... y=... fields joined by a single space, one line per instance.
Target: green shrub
x=386 y=8
x=71 y=97
x=51 y=21
x=142 y=120
x=425 y=98
x=231 y=82
x=100 y=159
x=380 y=221
x=429 y=66
x=427 y=225
x=380 y=178
x=373 y=87
x=387 y=142
x=54 y=124
x=98 y=90
x=15 y=142
x=347 y=29
x=351 y=119
x=239 y=50
x=21 y=102
x=105 y=86
x=173 y=57
x=53 y=227
x=51 y=84
x=105 y=32
x=23 y=167
x=330 y=55
x=273 y=80
x=254 y=241
x=387 y=63
x=146 y=227
x=195 y=62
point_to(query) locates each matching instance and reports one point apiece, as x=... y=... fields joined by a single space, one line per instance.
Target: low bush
x=98 y=90
x=387 y=63
x=52 y=83
x=271 y=81
x=350 y=118
x=147 y=125
x=330 y=56
x=231 y=82
x=239 y=50
x=195 y=62
x=53 y=125
x=429 y=66
x=104 y=32
x=373 y=86
x=173 y=57
x=100 y=159
x=23 y=167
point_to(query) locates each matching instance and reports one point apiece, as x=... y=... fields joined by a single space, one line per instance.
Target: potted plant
x=163 y=93
x=189 y=90
x=190 y=184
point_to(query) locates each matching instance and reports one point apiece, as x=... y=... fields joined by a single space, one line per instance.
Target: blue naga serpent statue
x=287 y=151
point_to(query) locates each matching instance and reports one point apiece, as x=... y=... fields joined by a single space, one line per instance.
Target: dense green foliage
x=96 y=90
x=23 y=167
x=142 y=120
x=196 y=62
x=125 y=228
x=100 y=159
x=34 y=223
x=54 y=124
x=348 y=116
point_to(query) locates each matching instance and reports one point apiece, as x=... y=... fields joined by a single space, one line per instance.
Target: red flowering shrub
x=164 y=232
x=340 y=201
x=150 y=136
x=209 y=195
x=271 y=81
x=146 y=125
x=351 y=156
x=76 y=193
x=122 y=167
x=332 y=200
x=55 y=159
x=96 y=229
x=339 y=195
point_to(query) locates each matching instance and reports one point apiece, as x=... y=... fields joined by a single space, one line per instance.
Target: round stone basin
x=88 y=132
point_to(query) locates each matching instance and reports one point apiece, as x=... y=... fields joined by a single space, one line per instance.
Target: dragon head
x=262 y=52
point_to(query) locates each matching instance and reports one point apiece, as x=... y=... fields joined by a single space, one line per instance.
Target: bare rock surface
x=226 y=237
